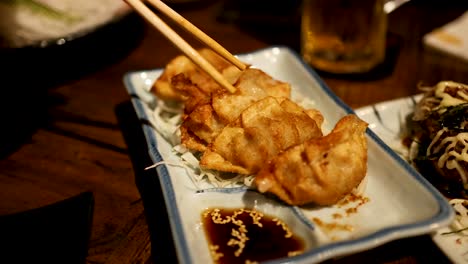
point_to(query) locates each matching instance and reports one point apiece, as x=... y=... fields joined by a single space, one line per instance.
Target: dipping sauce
x=248 y=236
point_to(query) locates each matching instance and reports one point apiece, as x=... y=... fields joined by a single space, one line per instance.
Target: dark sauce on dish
x=270 y=241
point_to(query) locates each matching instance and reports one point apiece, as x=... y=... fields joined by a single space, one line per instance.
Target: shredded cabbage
x=460 y=224
x=166 y=120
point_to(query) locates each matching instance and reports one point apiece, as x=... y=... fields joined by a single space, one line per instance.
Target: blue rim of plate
x=321 y=253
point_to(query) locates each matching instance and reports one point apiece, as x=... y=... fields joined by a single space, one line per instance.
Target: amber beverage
x=343 y=36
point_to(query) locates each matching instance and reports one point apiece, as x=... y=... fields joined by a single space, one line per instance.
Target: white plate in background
x=387 y=120
x=43 y=23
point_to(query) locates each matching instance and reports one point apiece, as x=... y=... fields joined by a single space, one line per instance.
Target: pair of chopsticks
x=180 y=43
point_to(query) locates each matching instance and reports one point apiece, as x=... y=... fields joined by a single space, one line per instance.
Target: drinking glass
x=343 y=36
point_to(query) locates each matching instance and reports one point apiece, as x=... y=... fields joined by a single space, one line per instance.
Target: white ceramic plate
x=387 y=120
x=40 y=24
x=397 y=201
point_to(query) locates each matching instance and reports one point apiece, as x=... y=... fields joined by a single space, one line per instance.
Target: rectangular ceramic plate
x=387 y=120
x=396 y=203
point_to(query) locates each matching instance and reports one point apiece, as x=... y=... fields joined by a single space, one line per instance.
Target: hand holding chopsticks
x=180 y=43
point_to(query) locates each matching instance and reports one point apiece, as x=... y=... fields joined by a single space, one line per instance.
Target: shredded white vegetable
x=460 y=224
x=166 y=120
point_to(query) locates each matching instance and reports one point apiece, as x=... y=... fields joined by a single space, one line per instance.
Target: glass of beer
x=343 y=36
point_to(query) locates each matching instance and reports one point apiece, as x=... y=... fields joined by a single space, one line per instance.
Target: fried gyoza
x=206 y=121
x=320 y=170
x=252 y=85
x=164 y=89
x=262 y=130
x=257 y=130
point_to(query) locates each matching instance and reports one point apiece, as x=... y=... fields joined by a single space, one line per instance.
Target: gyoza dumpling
x=204 y=121
x=163 y=87
x=321 y=170
x=263 y=130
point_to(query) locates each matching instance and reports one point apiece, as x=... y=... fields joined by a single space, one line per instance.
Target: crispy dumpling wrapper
x=252 y=85
x=164 y=89
x=206 y=118
x=263 y=130
x=320 y=170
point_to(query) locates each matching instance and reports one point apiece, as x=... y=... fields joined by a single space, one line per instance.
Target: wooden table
x=68 y=127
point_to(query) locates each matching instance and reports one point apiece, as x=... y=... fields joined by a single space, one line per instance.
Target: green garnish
x=454 y=116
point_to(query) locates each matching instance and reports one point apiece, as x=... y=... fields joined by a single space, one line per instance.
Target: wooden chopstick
x=184 y=23
x=180 y=43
